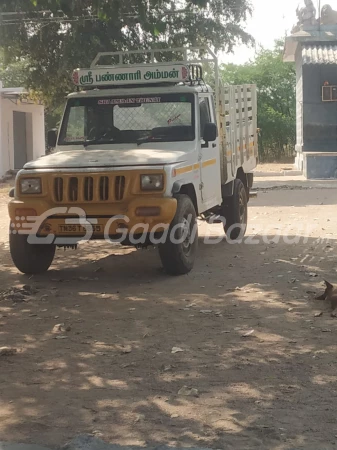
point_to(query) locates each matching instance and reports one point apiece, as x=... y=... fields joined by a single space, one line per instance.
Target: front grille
x=86 y=189
x=73 y=189
x=119 y=187
x=58 y=189
x=104 y=189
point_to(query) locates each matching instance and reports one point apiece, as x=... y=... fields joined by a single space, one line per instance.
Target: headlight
x=30 y=186
x=152 y=182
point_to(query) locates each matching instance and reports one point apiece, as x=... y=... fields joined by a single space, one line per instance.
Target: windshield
x=125 y=120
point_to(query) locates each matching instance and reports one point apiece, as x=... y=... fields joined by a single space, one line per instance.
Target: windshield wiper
x=89 y=142
x=96 y=141
x=148 y=139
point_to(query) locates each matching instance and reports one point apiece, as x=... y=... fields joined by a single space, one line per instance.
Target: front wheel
x=178 y=253
x=30 y=258
x=235 y=211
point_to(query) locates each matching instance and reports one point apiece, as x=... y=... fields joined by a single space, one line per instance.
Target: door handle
x=213 y=145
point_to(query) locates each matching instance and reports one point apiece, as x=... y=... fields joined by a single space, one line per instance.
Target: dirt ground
x=263 y=366
x=275 y=167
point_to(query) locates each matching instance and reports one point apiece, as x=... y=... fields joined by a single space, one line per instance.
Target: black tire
x=178 y=258
x=235 y=212
x=30 y=258
x=248 y=194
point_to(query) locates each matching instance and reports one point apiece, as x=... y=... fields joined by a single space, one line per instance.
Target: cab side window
x=205 y=114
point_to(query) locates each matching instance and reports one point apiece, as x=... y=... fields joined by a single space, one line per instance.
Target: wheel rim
x=242 y=208
x=187 y=234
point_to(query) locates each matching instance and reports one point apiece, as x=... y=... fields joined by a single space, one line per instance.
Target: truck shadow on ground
x=263 y=365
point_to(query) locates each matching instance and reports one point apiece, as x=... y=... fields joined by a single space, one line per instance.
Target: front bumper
x=139 y=215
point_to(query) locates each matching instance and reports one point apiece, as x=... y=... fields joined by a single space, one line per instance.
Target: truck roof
x=184 y=88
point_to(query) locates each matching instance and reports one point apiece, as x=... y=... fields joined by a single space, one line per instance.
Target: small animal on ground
x=330 y=295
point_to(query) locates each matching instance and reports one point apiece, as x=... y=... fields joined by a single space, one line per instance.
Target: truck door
x=209 y=156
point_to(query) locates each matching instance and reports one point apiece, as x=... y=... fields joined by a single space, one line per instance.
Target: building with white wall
x=22 y=134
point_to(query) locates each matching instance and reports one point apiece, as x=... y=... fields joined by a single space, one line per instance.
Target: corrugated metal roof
x=319 y=54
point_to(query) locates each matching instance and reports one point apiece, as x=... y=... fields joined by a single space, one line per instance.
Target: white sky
x=271 y=20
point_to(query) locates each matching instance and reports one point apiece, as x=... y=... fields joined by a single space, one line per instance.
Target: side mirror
x=210 y=132
x=12 y=193
x=52 y=138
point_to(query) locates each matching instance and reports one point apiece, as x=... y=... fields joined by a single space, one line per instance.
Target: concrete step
x=283 y=173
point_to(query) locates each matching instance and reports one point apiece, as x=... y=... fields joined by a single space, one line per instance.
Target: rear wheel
x=30 y=258
x=235 y=212
x=178 y=253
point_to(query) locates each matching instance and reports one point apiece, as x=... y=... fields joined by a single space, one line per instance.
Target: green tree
x=56 y=36
x=276 y=83
x=14 y=74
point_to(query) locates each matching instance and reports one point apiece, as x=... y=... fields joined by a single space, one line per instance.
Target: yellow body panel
x=56 y=209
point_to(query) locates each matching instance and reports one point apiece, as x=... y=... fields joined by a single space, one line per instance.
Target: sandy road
x=113 y=374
